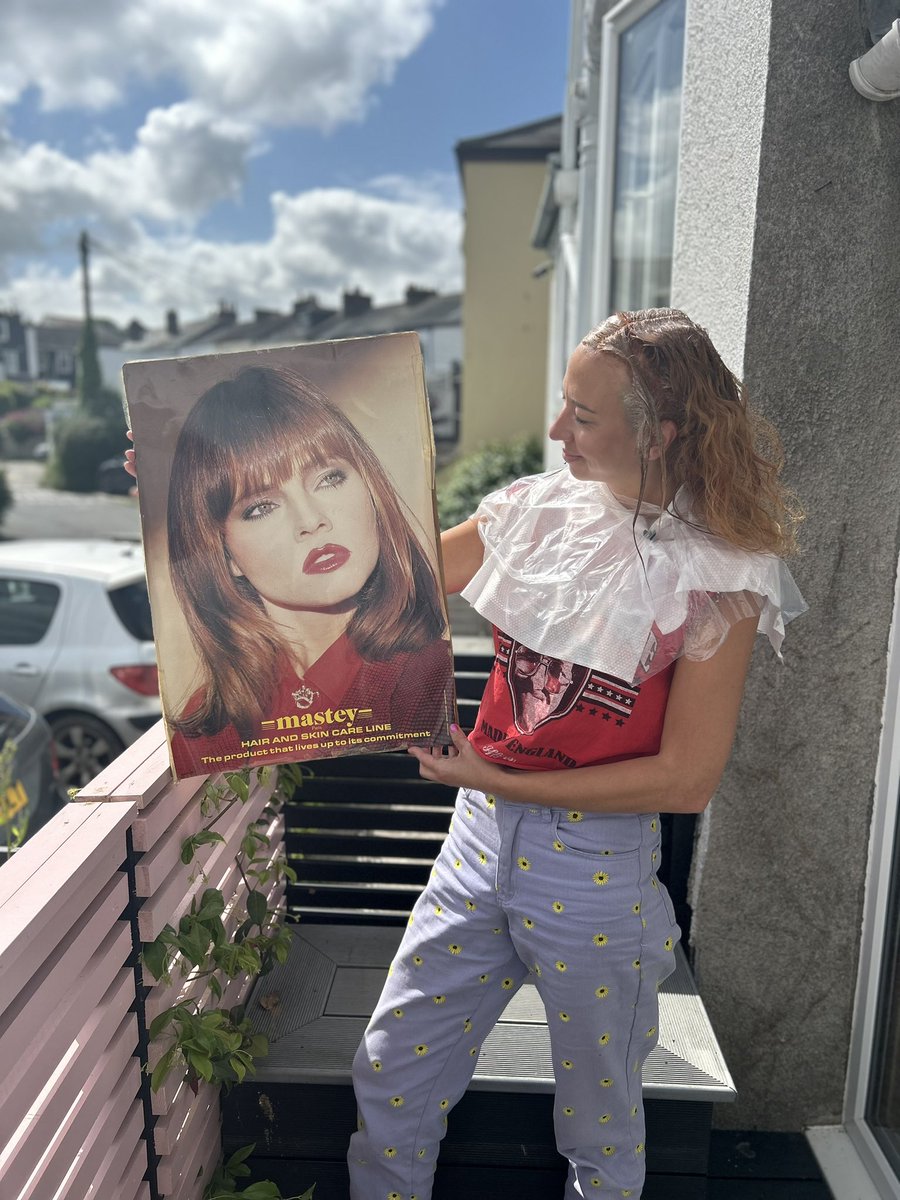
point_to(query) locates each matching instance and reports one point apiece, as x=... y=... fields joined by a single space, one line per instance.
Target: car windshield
x=132 y=605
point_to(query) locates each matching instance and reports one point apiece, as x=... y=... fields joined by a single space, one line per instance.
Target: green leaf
x=238 y=1067
x=162 y=1069
x=201 y=1065
x=212 y=904
x=257 y=907
x=262 y=1191
x=158 y=1024
x=240 y=1156
x=215 y=987
x=154 y=956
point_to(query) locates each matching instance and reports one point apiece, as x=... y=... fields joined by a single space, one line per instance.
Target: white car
x=76 y=643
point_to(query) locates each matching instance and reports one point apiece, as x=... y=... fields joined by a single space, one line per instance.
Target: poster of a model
x=289 y=529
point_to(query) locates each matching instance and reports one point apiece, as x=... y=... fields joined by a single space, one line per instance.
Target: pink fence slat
x=200 y=1171
x=81 y=1118
x=152 y=821
x=200 y=1128
x=145 y=782
x=165 y=856
x=108 y=784
x=131 y=1184
x=51 y=881
x=28 y=1144
x=174 y=896
x=169 y=1125
x=119 y=1129
x=43 y=1042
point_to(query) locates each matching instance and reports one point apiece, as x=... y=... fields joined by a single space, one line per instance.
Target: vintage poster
x=287 y=509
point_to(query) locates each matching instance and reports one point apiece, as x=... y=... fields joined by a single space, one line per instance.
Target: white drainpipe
x=876 y=74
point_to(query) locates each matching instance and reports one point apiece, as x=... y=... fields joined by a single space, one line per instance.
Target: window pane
x=132 y=606
x=651 y=68
x=26 y=609
x=883 y=1105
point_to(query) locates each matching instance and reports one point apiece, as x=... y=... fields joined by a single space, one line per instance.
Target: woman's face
x=310 y=542
x=598 y=440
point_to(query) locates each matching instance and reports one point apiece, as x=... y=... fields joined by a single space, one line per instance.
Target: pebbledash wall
x=786 y=249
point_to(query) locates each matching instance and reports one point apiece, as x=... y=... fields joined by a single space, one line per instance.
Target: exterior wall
x=505 y=309
x=788 y=207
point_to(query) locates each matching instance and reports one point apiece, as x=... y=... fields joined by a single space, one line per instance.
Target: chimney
x=172 y=323
x=415 y=295
x=135 y=331
x=356 y=303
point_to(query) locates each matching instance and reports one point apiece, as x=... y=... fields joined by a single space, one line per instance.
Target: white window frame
x=619 y=19
x=851 y=1159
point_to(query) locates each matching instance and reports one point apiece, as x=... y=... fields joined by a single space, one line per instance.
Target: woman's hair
x=244 y=434
x=727 y=455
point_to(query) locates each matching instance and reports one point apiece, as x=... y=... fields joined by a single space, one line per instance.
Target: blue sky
x=251 y=153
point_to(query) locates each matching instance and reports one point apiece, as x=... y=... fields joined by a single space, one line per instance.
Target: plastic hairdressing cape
x=569 y=572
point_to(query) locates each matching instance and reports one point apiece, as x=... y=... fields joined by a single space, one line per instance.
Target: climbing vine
x=204 y=1041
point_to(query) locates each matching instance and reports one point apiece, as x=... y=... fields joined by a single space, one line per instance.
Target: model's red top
x=540 y=713
x=373 y=705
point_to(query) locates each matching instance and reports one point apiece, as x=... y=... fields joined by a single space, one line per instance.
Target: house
x=505 y=302
x=17 y=348
x=716 y=158
x=436 y=318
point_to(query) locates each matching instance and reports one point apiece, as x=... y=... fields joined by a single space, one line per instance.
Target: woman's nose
x=557 y=431
x=309 y=518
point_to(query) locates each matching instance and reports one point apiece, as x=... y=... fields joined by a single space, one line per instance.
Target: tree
x=89 y=379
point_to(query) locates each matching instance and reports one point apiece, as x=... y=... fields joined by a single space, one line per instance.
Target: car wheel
x=84 y=746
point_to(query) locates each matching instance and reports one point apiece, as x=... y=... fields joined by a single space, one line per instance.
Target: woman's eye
x=580 y=421
x=331 y=478
x=260 y=508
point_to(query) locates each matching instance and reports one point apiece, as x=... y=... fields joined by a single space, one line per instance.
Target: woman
x=304 y=588
x=625 y=591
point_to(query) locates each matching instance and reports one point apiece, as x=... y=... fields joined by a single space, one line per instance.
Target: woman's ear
x=232 y=565
x=668 y=431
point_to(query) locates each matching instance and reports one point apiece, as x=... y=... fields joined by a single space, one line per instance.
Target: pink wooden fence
x=77 y=1119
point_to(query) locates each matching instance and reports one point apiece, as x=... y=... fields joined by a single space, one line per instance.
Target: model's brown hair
x=242 y=435
x=727 y=456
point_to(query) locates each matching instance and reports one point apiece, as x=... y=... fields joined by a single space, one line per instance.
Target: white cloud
x=234 y=71
x=322 y=241
x=300 y=62
x=182 y=162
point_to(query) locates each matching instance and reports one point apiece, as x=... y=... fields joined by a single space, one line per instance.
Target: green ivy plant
x=206 y=1042
x=217 y=1044
x=223 y=1185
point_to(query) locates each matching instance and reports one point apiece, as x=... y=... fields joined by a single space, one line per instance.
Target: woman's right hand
x=130 y=464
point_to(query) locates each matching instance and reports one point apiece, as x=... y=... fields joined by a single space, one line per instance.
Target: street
x=41 y=512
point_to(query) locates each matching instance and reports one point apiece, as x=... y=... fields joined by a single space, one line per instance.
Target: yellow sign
x=14 y=801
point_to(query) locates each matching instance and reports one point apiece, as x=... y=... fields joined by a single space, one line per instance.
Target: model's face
x=597 y=438
x=310 y=542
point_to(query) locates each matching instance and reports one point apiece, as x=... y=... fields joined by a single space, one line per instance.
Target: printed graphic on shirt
x=542 y=688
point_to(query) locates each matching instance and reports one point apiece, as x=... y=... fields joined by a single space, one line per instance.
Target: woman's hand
x=458 y=765
x=129 y=464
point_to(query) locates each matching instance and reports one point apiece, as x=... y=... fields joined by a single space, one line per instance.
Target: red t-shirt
x=541 y=714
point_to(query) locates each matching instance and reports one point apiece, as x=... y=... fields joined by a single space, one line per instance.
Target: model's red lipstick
x=323 y=559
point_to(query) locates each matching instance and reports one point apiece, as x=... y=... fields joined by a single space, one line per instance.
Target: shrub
x=81 y=445
x=6 y=496
x=487 y=469
x=22 y=426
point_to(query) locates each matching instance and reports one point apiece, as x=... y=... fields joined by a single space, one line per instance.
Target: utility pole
x=84 y=246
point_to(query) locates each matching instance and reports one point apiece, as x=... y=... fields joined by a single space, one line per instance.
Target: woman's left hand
x=457 y=765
